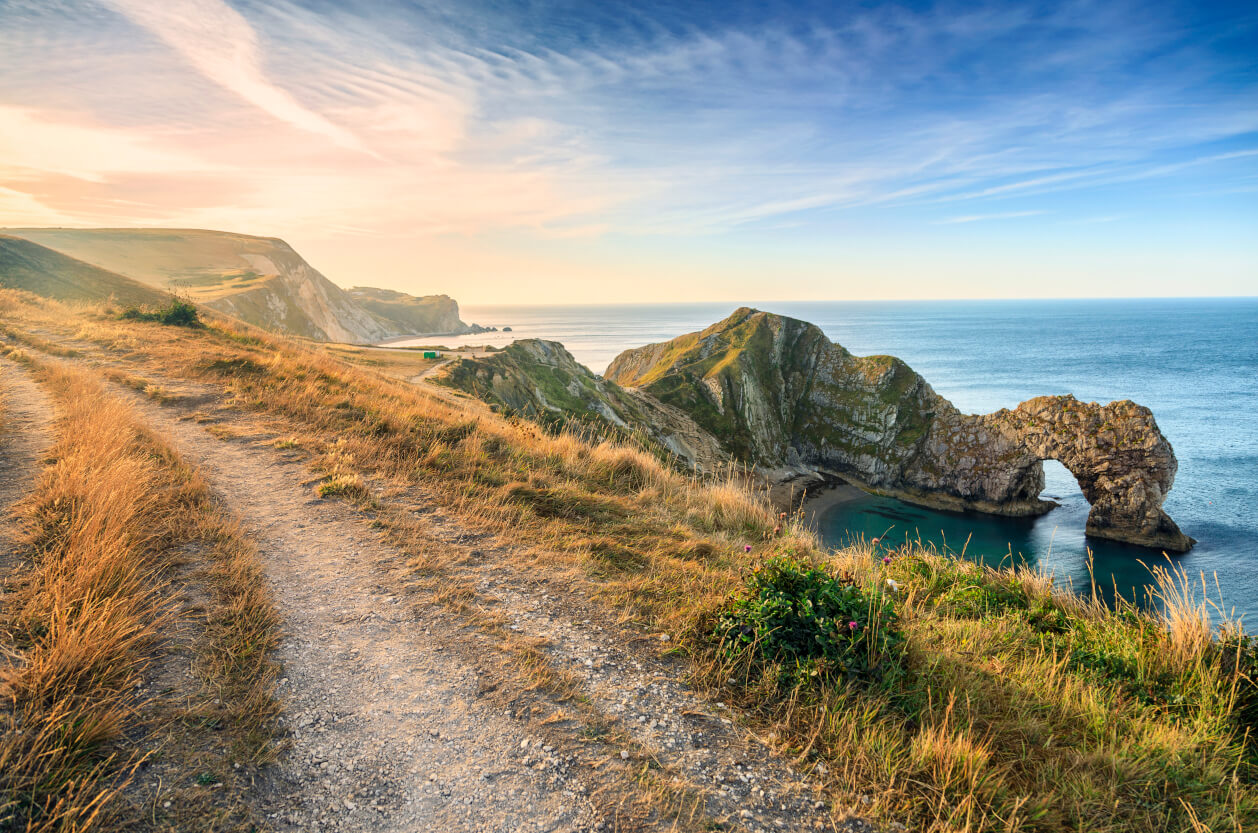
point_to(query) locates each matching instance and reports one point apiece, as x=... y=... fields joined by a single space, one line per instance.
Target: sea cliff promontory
x=779 y=394
x=774 y=393
x=541 y=380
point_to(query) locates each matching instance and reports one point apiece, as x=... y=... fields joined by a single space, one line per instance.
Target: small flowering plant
x=811 y=623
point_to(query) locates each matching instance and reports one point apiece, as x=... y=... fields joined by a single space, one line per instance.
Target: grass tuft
x=84 y=617
x=178 y=313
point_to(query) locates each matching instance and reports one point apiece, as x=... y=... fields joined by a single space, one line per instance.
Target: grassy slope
x=95 y=604
x=1012 y=707
x=205 y=264
x=35 y=268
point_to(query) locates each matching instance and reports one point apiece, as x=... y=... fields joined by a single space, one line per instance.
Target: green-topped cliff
x=541 y=380
x=779 y=394
x=421 y=315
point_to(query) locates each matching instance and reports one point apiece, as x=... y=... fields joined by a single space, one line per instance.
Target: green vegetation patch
x=178 y=313
x=812 y=623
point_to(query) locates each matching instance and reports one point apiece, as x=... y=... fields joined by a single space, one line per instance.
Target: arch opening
x=1061 y=486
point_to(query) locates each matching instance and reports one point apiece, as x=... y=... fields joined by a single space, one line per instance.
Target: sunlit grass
x=84 y=614
x=1015 y=705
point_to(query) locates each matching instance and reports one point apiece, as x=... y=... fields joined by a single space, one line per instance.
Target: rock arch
x=1123 y=464
x=776 y=393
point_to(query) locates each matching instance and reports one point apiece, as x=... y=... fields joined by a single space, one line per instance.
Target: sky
x=541 y=151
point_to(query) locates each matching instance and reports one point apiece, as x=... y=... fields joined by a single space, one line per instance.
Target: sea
x=1193 y=361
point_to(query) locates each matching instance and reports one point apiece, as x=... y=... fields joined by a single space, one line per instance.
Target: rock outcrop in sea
x=779 y=394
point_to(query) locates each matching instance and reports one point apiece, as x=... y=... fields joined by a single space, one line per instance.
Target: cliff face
x=778 y=393
x=260 y=280
x=421 y=315
x=298 y=299
x=540 y=379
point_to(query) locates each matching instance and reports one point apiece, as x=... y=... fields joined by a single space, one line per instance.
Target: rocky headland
x=259 y=280
x=773 y=392
x=415 y=315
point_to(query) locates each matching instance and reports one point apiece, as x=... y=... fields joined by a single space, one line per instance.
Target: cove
x=1055 y=541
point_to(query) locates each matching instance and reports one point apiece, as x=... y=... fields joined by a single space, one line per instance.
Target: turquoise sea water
x=1194 y=362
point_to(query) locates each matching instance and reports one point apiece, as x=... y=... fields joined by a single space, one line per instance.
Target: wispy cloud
x=219 y=42
x=416 y=121
x=978 y=218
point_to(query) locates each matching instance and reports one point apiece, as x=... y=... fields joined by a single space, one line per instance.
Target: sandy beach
x=822 y=498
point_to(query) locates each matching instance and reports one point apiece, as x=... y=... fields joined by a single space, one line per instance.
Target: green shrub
x=178 y=313
x=812 y=624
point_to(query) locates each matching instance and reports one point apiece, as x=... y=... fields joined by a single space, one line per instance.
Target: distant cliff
x=541 y=380
x=260 y=280
x=778 y=393
x=423 y=315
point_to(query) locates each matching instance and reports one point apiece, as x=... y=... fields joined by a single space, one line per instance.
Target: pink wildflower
x=852 y=625
x=746 y=547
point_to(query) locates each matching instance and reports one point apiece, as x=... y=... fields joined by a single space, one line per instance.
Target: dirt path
x=388 y=729
x=25 y=436
x=385 y=717
x=429 y=372
x=639 y=690
x=453 y=357
x=392 y=730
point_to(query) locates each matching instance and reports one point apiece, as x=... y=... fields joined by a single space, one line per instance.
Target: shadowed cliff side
x=778 y=393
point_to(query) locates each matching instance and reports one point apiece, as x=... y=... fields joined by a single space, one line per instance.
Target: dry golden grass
x=1022 y=707
x=399 y=364
x=1019 y=706
x=83 y=617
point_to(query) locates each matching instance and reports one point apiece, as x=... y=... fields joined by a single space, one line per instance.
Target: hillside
x=260 y=280
x=250 y=586
x=35 y=268
x=541 y=380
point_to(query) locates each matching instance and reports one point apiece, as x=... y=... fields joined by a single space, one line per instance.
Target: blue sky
x=543 y=151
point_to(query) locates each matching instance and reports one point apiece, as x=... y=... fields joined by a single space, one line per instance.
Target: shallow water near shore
x=1194 y=362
